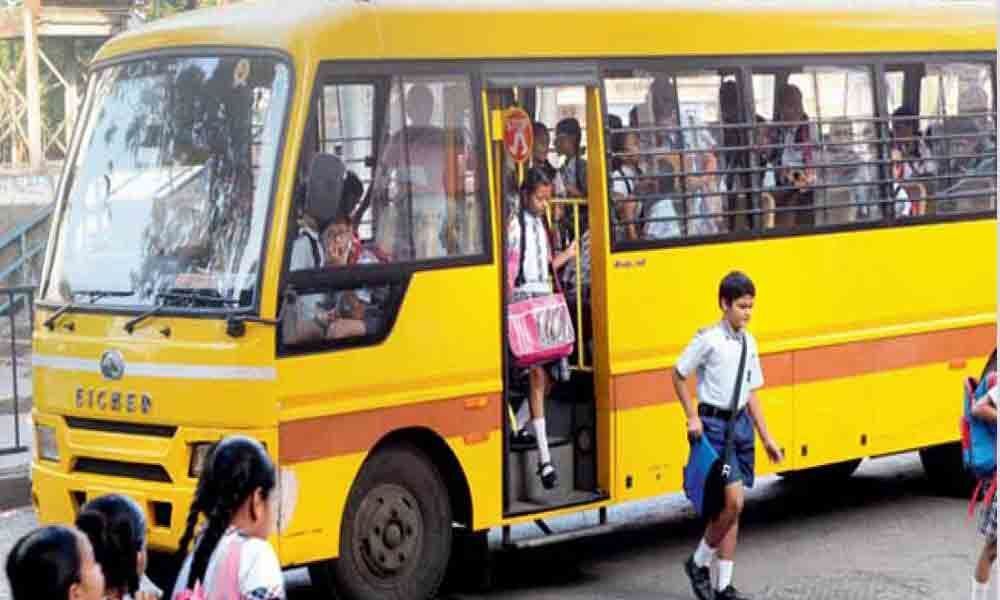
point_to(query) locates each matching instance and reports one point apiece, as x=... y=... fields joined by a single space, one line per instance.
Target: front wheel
x=395 y=539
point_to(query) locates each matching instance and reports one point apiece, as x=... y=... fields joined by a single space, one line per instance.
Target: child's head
x=736 y=296
x=536 y=191
x=235 y=489
x=568 y=137
x=54 y=562
x=116 y=528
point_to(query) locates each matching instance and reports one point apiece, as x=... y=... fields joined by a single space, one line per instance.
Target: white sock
x=980 y=590
x=725 y=574
x=543 y=440
x=704 y=555
x=522 y=416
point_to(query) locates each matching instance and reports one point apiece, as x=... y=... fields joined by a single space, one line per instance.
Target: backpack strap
x=519 y=280
x=314 y=246
x=737 y=388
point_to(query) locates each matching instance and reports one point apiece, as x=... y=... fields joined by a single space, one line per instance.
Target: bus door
x=525 y=112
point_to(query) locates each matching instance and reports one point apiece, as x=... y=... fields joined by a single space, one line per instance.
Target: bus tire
x=945 y=470
x=396 y=535
x=825 y=474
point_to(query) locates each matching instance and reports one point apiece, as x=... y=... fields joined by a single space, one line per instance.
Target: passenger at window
x=793 y=158
x=691 y=143
x=348 y=313
x=918 y=161
x=902 y=205
x=322 y=194
x=416 y=155
x=540 y=150
x=734 y=136
x=659 y=211
x=531 y=271
x=569 y=138
x=624 y=183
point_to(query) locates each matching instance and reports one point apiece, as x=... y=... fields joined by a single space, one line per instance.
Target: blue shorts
x=743 y=445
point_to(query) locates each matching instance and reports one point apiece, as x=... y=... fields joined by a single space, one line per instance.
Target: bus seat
x=324 y=187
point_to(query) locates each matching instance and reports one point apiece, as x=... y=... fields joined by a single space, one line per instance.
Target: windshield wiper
x=94 y=296
x=163 y=296
x=50 y=323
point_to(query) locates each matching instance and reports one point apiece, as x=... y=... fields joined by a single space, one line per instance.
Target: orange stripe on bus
x=473 y=418
x=829 y=362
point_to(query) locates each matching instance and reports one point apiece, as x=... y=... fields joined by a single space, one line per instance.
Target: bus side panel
x=841 y=319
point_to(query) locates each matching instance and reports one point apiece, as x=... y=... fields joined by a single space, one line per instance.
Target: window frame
x=749 y=65
x=397 y=275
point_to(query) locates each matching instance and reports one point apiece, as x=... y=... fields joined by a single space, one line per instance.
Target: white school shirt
x=536 y=274
x=714 y=355
x=260 y=574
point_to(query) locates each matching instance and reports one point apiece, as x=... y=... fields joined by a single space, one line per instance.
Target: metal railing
x=20 y=252
x=17 y=300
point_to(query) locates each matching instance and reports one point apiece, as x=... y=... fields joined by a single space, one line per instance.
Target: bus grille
x=114 y=468
x=165 y=431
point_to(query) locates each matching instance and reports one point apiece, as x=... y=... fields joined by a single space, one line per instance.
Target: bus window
x=668 y=177
x=350 y=139
x=424 y=200
x=957 y=107
x=412 y=196
x=846 y=171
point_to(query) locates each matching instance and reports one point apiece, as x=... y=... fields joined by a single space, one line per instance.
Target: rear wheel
x=395 y=539
x=945 y=469
x=825 y=474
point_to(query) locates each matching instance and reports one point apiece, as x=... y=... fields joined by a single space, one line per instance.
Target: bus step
x=566 y=536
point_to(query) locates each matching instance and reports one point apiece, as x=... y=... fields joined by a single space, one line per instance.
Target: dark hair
x=571 y=127
x=236 y=468
x=533 y=178
x=539 y=129
x=617 y=140
x=44 y=564
x=735 y=285
x=116 y=528
x=351 y=195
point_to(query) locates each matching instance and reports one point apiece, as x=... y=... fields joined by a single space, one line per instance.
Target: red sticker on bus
x=518 y=135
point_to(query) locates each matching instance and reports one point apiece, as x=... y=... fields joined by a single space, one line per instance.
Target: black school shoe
x=547 y=473
x=701 y=580
x=730 y=593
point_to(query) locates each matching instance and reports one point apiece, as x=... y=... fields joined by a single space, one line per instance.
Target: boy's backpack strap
x=737 y=389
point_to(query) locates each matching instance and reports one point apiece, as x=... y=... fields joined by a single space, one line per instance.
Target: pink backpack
x=227 y=580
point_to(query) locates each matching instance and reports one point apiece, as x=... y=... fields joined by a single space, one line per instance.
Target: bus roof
x=311 y=30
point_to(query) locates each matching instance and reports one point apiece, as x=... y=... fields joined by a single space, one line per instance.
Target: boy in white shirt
x=715 y=355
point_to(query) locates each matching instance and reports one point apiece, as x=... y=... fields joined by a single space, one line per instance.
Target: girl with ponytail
x=232 y=559
x=116 y=528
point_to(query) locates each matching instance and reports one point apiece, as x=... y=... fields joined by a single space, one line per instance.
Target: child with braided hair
x=232 y=559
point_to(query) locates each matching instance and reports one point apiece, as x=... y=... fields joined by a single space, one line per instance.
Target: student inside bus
x=794 y=138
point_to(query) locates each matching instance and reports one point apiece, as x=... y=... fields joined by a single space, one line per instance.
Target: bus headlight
x=45 y=442
x=199 y=454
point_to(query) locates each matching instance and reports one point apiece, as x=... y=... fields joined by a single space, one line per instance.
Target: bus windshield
x=168 y=196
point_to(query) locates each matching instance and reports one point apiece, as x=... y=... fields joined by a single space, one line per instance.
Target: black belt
x=707 y=410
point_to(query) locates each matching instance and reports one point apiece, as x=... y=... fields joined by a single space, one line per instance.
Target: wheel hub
x=390 y=530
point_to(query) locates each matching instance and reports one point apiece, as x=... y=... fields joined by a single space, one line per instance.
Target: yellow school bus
x=290 y=221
